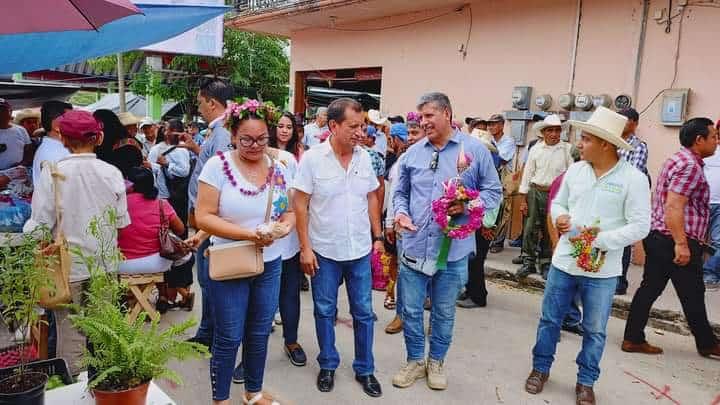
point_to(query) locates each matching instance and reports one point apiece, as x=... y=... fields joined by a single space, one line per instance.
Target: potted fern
x=125 y=356
x=22 y=278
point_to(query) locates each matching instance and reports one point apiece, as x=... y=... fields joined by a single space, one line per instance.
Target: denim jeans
x=325 y=286
x=445 y=287
x=711 y=269
x=573 y=316
x=205 y=330
x=290 y=281
x=243 y=311
x=597 y=297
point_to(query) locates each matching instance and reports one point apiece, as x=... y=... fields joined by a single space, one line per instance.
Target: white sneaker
x=411 y=372
x=437 y=379
x=278 y=319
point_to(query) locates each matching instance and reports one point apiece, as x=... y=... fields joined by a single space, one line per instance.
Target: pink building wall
x=516 y=42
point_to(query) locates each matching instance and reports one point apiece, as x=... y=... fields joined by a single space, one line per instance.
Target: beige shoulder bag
x=242 y=259
x=58 y=263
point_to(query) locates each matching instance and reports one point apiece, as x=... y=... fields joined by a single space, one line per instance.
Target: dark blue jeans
x=205 y=330
x=325 y=286
x=712 y=265
x=290 y=282
x=243 y=311
x=596 y=295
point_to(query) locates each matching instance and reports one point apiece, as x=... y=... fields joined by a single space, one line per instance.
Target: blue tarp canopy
x=43 y=50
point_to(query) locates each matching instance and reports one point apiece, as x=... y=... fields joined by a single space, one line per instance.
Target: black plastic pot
x=31 y=396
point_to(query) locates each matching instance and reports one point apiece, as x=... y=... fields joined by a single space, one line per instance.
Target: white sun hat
x=606 y=125
x=376 y=118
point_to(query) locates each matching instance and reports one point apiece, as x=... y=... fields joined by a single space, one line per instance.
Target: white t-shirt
x=712 y=174
x=291 y=243
x=243 y=210
x=15 y=138
x=50 y=150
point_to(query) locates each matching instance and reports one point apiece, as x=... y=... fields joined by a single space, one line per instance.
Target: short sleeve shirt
x=140 y=238
x=378 y=163
x=247 y=211
x=14 y=138
x=217 y=141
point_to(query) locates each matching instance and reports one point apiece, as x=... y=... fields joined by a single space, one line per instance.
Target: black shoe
x=304 y=283
x=326 y=380
x=621 y=291
x=469 y=303
x=576 y=329
x=296 y=354
x=162 y=306
x=238 y=376
x=463 y=296
x=517 y=260
x=526 y=270
x=370 y=384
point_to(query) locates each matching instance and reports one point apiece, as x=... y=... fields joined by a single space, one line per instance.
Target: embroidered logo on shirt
x=612 y=188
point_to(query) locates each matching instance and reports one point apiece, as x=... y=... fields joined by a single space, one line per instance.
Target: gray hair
x=321 y=110
x=441 y=100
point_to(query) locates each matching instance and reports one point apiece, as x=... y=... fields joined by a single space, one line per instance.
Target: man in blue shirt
x=425 y=167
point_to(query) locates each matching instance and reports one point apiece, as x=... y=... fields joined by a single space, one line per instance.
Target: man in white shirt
x=51 y=149
x=711 y=269
x=338 y=223
x=148 y=135
x=548 y=159
x=603 y=192
x=315 y=129
x=15 y=145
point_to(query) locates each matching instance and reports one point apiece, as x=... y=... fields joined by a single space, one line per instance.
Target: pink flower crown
x=244 y=108
x=413 y=116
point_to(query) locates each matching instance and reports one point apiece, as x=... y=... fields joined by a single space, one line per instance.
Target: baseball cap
x=371 y=131
x=399 y=131
x=146 y=121
x=496 y=118
x=78 y=124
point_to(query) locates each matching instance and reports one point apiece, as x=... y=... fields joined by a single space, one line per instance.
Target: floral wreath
x=245 y=108
x=413 y=116
x=476 y=210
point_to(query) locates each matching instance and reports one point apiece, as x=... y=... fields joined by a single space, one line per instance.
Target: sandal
x=257 y=398
x=389 y=303
x=188 y=303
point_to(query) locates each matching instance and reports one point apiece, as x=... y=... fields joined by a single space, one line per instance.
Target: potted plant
x=22 y=278
x=124 y=356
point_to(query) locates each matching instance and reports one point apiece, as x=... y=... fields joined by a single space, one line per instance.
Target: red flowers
x=588 y=258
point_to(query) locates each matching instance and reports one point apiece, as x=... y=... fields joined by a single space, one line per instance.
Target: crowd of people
x=323 y=199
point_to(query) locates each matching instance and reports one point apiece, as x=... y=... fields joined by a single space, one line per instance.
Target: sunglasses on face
x=434 y=161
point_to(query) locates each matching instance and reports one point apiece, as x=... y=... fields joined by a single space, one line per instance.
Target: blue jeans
x=597 y=297
x=573 y=316
x=243 y=311
x=711 y=269
x=205 y=330
x=445 y=286
x=290 y=281
x=325 y=286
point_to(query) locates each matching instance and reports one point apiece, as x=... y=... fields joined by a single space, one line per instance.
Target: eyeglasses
x=247 y=142
x=434 y=161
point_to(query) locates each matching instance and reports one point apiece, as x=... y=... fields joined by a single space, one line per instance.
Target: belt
x=539 y=187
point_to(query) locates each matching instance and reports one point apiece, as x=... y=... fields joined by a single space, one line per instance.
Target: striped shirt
x=638 y=156
x=683 y=174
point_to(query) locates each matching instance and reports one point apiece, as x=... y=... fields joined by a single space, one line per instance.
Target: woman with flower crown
x=231 y=206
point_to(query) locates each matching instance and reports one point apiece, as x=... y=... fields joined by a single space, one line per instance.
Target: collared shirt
x=178 y=166
x=313 y=134
x=378 y=163
x=50 y=150
x=381 y=143
x=618 y=202
x=218 y=140
x=712 y=175
x=90 y=187
x=146 y=145
x=683 y=174
x=544 y=164
x=506 y=147
x=418 y=184
x=638 y=156
x=339 y=219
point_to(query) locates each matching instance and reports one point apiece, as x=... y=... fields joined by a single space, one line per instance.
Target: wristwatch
x=378 y=239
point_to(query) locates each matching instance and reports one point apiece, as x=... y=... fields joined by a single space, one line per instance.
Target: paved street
x=487 y=364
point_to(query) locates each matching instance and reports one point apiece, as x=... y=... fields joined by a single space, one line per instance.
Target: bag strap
x=56 y=178
x=271 y=189
x=164 y=224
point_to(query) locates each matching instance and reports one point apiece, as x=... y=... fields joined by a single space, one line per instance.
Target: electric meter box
x=521 y=97
x=674 y=107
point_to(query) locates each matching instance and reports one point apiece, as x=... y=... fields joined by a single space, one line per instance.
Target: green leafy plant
x=124 y=354
x=22 y=277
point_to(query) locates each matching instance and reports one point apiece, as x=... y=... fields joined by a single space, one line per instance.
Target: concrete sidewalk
x=666 y=314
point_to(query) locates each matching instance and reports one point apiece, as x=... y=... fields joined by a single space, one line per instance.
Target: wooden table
x=77 y=394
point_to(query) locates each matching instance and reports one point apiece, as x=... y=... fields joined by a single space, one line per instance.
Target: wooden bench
x=141 y=286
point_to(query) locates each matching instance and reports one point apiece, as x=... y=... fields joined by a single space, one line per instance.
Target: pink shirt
x=140 y=238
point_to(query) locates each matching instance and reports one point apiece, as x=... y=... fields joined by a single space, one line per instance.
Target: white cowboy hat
x=606 y=125
x=128 y=118
x=25 y=114
x=485 y=138
x=376 y=118
x=552 y=120
x=145 y=122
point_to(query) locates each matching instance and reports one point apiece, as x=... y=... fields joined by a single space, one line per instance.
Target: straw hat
x=128 y=118
x=27 y=113
x=376 y=118
x=549 y=121
x=485 y=138
x=606 y=125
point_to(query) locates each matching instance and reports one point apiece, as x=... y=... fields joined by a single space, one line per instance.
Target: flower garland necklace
x=228 y=174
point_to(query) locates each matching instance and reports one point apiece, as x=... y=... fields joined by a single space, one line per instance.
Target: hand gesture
x=308 y=262
x=162 y=160
x=563 y=224
x=405 y=223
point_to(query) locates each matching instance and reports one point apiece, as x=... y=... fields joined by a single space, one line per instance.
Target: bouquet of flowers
x=380 y=265
x=587 y=257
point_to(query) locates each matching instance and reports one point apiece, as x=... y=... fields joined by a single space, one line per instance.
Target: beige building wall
x=517 y=42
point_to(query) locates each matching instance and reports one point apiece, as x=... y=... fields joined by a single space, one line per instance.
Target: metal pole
x=121 y=82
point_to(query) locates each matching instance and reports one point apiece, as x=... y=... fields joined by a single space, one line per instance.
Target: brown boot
x=711 y=352
x=645 y=347
x=535 y=382
x=395 y=326
x=584 y=395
